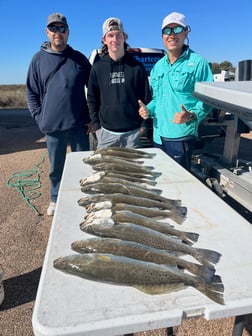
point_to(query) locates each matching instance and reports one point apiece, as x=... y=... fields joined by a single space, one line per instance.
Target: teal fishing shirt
x=172 y=86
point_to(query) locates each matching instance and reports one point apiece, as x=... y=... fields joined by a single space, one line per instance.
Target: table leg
x=238 y=325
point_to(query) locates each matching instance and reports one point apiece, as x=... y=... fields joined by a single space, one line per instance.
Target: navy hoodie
x=62 y=104
x=113 y=92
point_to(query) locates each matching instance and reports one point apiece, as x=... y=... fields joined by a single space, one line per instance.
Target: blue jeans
x=180 y=151
x=57 y=142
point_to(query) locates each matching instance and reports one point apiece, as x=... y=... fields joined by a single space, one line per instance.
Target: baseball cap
x=112 y=24
x=56 y=17
x=174 y=17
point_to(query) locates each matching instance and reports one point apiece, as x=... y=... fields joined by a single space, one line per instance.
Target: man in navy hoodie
x=116 y=83
x=56 y=99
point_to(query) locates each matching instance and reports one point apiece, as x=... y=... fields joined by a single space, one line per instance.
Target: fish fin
x=149 y=167
x=178 y=214
x=152 y=183
x=160 y=289
x=187 y=241
x=208 y=256
x=149 y=155
x=156 y=191
x=192 y=236
x=204 y=272
x=156 y=174
x=214 y=290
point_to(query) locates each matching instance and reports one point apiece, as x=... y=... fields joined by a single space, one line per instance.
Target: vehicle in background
x=224 y=76
x=148 y=57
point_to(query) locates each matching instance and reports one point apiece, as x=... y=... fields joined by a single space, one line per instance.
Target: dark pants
x=180 y=151
x=57 y=143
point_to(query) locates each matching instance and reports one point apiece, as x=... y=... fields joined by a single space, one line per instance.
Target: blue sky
x=221 y=30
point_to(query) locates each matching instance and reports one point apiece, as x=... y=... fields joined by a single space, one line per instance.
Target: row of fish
x=134 y=243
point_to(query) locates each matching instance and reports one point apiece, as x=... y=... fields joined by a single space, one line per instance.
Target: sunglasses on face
x=174 y=30
x=58 y=29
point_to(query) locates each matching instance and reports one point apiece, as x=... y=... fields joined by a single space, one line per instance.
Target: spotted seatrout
x=130 y=217
x=101 y=177
x=141 y=252
x=105 y=227
x=125 y=152
x=109 y=188
x=127 y=177
x=137 y=171
x=98 y=158
x=148 y=212
x=145 y=276
x=129 y=199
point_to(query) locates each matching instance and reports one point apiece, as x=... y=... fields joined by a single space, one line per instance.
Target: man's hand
x=90 y=128
x=183 y=117
x=143 y=110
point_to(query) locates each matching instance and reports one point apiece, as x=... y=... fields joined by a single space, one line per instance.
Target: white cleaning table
x=68 y=305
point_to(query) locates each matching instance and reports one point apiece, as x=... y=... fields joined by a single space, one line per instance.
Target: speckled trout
x=141 y=252
x=129 y=199
x=147 y=277
x=105 y=178
x=148 y=212
x=125 y=176
x=98 y=158
x=105 y=227
x=130 y=217
x=138 y=171
x=110 y=188
x=125 y=152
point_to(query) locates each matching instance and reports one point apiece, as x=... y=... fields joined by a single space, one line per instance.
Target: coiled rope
x=27 y=183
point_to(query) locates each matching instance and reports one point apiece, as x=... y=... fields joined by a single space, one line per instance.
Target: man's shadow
x=20 y=289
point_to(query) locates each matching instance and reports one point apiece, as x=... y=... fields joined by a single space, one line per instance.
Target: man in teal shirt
x=176 y=113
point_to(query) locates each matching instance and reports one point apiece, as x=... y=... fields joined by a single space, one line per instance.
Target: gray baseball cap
x=56 y=17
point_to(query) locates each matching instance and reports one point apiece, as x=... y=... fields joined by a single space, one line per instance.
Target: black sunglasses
x=58 y=29
x=174 y=30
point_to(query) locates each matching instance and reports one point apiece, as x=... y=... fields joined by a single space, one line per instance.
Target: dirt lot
x=24 y=232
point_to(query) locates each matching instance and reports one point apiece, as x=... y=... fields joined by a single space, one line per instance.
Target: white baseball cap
x=174 y=18
x=112 y=23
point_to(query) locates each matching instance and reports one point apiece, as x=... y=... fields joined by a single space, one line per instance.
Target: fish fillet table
x=68 y=305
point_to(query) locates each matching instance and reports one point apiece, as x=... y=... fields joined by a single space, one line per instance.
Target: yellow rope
x=27 y=183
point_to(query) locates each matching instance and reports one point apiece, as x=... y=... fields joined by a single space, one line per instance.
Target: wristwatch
x=192 y=116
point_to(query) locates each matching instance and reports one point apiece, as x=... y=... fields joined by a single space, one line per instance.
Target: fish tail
x=147 y=155
x=206 y=256
x=149 y=167
x=157 y=191
x=201 y=271
x=213 y=291
x=178 y=215
x=155 y=174
x=217 y=284
x=192 y=236
x=152 y=183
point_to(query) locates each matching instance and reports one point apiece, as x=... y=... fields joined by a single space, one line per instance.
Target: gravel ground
x=24 y=233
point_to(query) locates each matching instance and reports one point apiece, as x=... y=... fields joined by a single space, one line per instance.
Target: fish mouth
x=58 y=263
